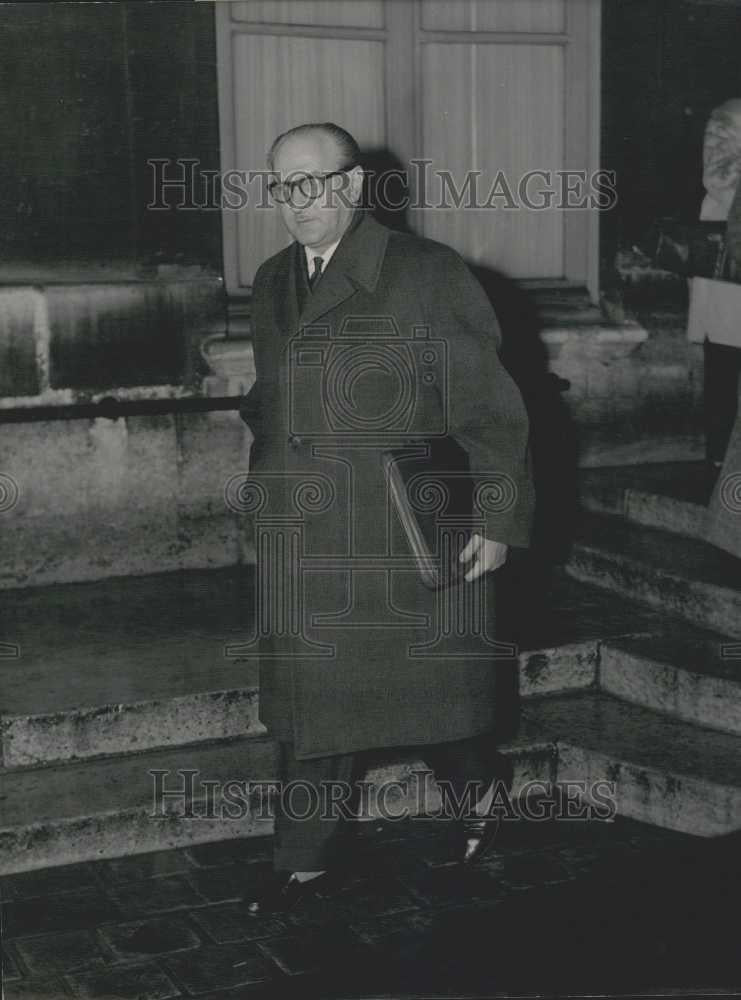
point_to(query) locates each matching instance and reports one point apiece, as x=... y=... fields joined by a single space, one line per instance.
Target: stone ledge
x=669 y=496
x=629 y=333
x=72 y=340
x=683 y=577
x=664 y=772
x=693 y=679
x=101 y=498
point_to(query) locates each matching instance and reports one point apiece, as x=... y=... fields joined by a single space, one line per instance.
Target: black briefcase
x=432 y=494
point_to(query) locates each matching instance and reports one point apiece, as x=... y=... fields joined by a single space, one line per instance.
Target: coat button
x=295 y=441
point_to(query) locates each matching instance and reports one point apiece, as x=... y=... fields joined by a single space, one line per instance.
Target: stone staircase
x=641 y=534
x=116 y=688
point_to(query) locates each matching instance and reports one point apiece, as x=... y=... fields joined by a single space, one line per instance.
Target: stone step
x=138 y=664
x=126 y=665
x=161 y=694
x=135 y=664
x=107 y=808
x=112 y=807
x=686 y=674
x=641 y=655
x=682 y=576
x=664 y=772
x=672 y=496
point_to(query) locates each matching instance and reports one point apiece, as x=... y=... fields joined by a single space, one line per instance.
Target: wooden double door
x=492 y=106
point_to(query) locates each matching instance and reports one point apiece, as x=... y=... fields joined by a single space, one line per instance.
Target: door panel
x=330 y=13
x=494 y=15
x=473 y=121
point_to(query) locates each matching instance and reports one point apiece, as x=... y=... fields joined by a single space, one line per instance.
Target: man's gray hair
x=346 y=144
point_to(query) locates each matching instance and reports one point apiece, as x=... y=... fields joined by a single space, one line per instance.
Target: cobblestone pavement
x=558 y=907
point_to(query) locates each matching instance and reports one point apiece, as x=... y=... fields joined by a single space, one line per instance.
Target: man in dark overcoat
x=368 y=340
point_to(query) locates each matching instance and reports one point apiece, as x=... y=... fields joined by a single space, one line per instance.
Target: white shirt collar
x=326 y=256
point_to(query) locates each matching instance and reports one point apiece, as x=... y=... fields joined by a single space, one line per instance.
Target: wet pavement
x=567 y=906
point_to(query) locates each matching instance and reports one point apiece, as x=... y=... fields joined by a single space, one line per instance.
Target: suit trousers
x=306 y=834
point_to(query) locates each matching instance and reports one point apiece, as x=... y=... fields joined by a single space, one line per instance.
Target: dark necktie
x=317 y=272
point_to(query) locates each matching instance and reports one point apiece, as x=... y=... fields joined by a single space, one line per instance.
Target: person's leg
x=470 y=766
x=305 y=828
x=305 y=850
x=476 y=773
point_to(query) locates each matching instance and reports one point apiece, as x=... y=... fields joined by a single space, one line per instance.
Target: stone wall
x=71 y=343
x=88 y=499
x=635 y=394
x=644 y=404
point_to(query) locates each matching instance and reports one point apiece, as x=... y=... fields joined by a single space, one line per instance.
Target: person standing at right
x=715 y=319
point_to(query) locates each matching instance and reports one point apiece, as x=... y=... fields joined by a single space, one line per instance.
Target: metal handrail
x=113 y=408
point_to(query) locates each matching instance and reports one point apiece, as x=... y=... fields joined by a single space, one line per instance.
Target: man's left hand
x=486 y=554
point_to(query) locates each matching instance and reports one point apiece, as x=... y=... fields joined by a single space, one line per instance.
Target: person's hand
x=486 y=555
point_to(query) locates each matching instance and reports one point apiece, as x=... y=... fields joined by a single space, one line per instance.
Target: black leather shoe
x=284 y=893
x=478 y=838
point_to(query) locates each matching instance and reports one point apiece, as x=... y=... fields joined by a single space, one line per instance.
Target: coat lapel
x=356 y=263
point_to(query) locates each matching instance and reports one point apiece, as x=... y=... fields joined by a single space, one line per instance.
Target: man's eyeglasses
x=308 y=186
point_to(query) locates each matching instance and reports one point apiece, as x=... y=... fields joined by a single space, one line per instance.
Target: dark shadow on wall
x=523 y=585
x=386 y=191
x=553 y=436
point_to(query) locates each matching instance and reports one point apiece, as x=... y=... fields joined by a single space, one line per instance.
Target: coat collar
x=361 y=251
x=355 y=263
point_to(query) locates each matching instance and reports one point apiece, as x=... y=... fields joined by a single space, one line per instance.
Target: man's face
x=316 y=223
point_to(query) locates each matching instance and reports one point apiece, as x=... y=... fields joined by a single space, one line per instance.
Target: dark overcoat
x=396 y=344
